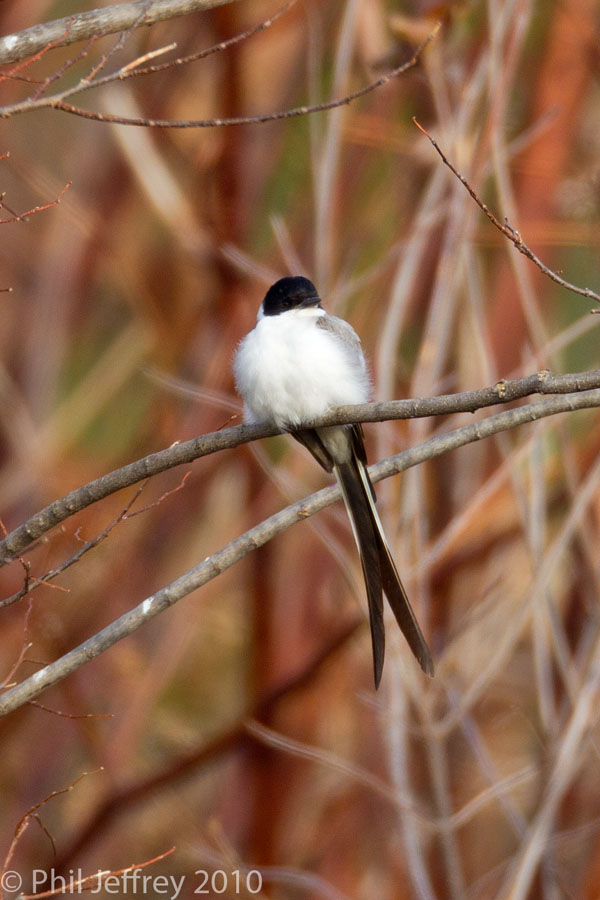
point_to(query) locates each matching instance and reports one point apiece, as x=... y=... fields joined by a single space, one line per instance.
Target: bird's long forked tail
x=379 y=569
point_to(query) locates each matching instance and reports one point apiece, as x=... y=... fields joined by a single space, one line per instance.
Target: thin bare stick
x=61 y=71
x=25 y=646
x=22 y=217
x=131 y=69
x=32 y=814
x=135 y=64
x=95 y=881
x=65 y=715
x=32 y=584
x=57 y=101
x=234 y=736
x=157 y=502
x=119 y=43
x=506 y=229
x=142 y=121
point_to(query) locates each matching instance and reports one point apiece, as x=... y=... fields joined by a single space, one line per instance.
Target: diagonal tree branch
x=57 y=101
x=132 y=69
x=507 y=230
x=179 y=454
x=110 y=20
x=208 y=569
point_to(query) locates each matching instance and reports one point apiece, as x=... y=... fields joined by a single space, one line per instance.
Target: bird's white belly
x=290 y=371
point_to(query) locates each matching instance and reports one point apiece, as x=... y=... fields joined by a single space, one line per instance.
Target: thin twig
x=511 y=233
x=95 y=881
x=119 y=43
x=159 y=500
x=32 y=584
x=65 y=715
x=57 y=101
x=32 y=814
x=22 y=217
x=61 y=71
x=131 y=69
x=25 y=646
x=147 y=122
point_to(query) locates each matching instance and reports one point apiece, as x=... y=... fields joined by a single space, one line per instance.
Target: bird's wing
x=345 y=333
x=309 y=438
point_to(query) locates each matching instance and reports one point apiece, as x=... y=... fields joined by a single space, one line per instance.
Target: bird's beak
x=310 y=301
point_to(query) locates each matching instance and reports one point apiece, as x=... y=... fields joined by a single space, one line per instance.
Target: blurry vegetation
x=483 y=783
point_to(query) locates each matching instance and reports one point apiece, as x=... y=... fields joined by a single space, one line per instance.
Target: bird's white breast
x=290 y=371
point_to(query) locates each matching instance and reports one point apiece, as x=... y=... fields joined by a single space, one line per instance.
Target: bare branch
x=179 y=454
x=61 y=71
x=32 y=814
x=22 y=217
x=199 y=575
x=111 y=19
x=511 y=233
x=7 y=681
x=31 y=584
x=57 y=101
x=15 y=72
x=132 y=69
x=65 y=715
x=95 y=881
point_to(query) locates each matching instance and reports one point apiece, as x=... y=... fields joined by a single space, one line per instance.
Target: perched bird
x=297 y=364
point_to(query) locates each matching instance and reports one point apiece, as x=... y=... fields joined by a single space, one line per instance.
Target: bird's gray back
x=345 y=333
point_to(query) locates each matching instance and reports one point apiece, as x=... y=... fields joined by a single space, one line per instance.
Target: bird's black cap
x=289 y=293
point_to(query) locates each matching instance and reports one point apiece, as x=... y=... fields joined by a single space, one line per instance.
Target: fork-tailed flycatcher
x=297 y=364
